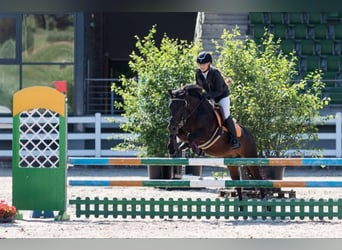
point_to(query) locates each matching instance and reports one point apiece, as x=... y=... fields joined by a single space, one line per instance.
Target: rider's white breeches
x=225 y=107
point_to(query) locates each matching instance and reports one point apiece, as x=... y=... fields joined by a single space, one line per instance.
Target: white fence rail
x=98 y=132
x=92 y=136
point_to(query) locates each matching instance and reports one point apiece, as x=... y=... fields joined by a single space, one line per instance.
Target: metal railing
x=95 y=135
x=100 y=98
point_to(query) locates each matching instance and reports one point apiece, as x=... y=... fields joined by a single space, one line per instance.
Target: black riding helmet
x=204 y=57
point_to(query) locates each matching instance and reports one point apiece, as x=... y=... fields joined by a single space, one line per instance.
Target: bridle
x=187 y=113
x=182 y=119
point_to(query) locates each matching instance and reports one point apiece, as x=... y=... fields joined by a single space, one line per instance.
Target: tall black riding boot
x=229 y=123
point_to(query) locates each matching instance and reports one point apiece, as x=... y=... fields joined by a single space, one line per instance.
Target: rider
x=212 y=81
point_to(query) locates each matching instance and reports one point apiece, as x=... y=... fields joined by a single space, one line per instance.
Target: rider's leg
x=228 y=122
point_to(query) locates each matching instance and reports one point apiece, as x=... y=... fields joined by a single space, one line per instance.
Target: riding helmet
x=204 y=57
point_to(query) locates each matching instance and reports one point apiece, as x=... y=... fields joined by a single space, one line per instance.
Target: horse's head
x=178 y=106
x=183 y=103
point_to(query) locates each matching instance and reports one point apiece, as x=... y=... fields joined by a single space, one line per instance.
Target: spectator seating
x=315 y=37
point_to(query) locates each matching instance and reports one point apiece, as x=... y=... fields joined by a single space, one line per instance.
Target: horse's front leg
x=195 y=137
x=171 y=146
x=194 y=147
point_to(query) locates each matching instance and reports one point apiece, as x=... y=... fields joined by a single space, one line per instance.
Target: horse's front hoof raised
x=196 y=149
x=171 y=148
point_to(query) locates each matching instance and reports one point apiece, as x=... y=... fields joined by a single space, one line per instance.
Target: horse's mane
x=192 y=86
x=190 y=89
x=193 y=89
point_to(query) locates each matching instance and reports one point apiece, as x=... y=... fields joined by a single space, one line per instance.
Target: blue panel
x=89 y=161
x=89 y=183
x=322 y=161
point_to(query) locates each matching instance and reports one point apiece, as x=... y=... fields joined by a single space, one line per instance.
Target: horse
x=197 y=123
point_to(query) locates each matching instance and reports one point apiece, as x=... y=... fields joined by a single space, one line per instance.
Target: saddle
x=219 y=118
x=220 y=129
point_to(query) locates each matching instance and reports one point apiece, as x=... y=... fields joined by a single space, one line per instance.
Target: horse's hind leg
x=257 y=176
x=253 y=173
x=235 y=175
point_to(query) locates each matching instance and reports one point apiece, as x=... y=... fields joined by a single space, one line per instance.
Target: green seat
x=329 y=78
x=288 y=46
x=327 y=47
x=333 y=63
x=335 y=93
x=308 y=47
x=338 y=31
x=276 y=18
x=337 y=47
x=332 y=75
x=321 y=31
x=300 y=31
x=258 y=31
x=333 y=17
x=315 y=17
x=295 y=17
x=312 y=63
x=280 y=31
x=256 y=17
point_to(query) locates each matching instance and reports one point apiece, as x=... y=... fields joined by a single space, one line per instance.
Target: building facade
x=86 y=50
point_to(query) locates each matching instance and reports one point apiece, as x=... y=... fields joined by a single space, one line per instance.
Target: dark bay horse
x=195 y=122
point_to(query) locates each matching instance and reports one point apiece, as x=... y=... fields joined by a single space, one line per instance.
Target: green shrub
x=265 y=98
x=157 y=69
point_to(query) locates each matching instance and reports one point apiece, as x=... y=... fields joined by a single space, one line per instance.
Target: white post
x=338 y=134
x=97 y=135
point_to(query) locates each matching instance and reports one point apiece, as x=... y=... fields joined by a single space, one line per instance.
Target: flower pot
x=165 y=172
x=7 y=220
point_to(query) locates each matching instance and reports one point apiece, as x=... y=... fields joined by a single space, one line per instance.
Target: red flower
x=7 y=211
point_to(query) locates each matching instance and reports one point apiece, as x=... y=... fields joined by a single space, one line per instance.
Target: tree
x=281 y=113
x=157 y=69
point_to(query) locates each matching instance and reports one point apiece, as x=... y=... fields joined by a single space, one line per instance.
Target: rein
x=214 y=137
x=183 y=120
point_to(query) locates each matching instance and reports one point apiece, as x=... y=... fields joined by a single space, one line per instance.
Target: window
x=9 y=83
x=48 y=38
x=35 y=49
x=8 y=38
x=9 y=58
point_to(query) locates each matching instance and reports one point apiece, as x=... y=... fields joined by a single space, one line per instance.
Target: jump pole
x=160 y=161
x=265 y=213
x=208 y=183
